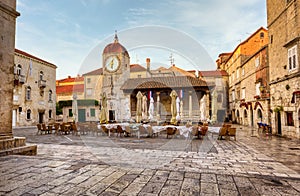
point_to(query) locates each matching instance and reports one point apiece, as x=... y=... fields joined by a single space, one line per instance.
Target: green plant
x=278 y=109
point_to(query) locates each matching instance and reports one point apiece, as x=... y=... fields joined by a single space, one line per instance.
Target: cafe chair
x=40 y=129
x=170 y=131
x=47 y=129
x=232 y=133
x=119 y=131
x=223 y=132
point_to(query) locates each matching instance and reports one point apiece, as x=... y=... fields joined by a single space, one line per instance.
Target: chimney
x=148 y=64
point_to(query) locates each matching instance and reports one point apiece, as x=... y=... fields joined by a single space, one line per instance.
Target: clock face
x=112 y=63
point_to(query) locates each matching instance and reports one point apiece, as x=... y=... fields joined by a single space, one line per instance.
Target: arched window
x=50 y=95
x=50 y=113
x=28 y=93
x=19 y=70
x=259 y=115
x=28 y=114
x=41 y=75
x=245 y=114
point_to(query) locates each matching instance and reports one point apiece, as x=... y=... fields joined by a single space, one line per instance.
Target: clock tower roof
x=115 y=47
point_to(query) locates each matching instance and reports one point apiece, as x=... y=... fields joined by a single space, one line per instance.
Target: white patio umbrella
x=75 y=108
x=139 y=97
x=144 y=107
x=203 y=108
x=178 y=108
x=151 y=109
x=173 y=106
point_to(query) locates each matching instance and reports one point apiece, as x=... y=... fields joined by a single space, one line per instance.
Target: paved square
x=98 y=165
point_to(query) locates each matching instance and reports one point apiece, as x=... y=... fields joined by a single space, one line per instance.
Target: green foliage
x=278 y=109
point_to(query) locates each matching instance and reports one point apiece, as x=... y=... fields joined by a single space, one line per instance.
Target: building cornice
x=9 y=10
x=287 y=77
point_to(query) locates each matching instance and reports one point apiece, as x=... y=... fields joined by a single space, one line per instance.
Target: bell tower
x=116 y=70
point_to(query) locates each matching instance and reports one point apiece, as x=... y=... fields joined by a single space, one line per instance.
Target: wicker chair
x=120 y=131
x=104 y=129
x=46 y=129
x=195 y=131
x=232 y=133
x=203 y=131
x=171 y=131
x=223 y=132
x=40 y=129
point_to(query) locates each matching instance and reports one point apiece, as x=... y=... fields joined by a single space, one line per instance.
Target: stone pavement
x=98 y=165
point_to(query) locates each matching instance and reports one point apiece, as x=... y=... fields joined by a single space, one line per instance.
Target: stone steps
x=15 y=145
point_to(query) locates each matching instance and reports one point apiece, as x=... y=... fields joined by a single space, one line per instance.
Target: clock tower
x=116 y=70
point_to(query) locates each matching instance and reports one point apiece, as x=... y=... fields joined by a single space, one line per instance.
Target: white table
x=183 y=130
x=214 y=130
x=114 y=126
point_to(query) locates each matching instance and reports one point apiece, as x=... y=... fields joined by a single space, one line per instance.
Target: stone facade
x=218 y=94
x=284 y=30
x=34 y=99
x=248 y=70
x=117 y=101
x=8 y=17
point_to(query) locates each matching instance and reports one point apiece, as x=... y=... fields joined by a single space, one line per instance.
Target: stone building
x=248 y=72
x=122 y=87
x=76 y=96
x=284 y=29
x=8 y=15
x=8 y=143
x=218 y=95
x=67 y=87
x=34 y=99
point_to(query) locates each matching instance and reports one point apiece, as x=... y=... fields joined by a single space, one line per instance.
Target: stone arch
x=245 y=117
x=259 y=115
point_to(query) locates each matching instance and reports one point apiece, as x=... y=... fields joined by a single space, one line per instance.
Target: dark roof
x=136 y=68
x=163 y=82
x=216 y=73
x=94 y=72
x=115 y=47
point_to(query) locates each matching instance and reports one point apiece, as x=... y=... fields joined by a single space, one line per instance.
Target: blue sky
x=73 y=33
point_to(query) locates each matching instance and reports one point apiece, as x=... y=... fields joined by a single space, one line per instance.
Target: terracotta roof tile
x=136 y=68
x=181 y=71
x=94 y=72
x=70 y=79
x=31 y=56
x=69 y=89
x=163 y=82
x=216 y=73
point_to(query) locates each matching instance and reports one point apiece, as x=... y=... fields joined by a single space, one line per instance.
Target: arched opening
x=41 y=75
x=19 y=69
x=259 y=115
x=28 y=114
x=238 y=116
x=245 y=117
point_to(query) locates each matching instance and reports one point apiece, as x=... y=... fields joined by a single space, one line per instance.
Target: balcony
x=19 y=79
x=42 y=83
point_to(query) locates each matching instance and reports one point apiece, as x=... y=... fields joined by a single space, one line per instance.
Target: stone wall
x=8 y=16
x=284 y=30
